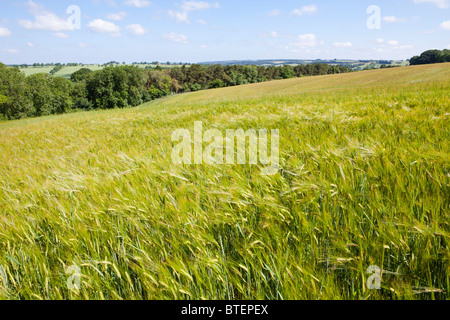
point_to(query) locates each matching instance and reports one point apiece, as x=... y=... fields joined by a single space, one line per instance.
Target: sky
x=99 y=31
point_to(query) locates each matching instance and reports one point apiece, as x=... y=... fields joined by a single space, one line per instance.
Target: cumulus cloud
x=271 y=34
x=442 y=4
x=305 y=10
x=44 y=19
x=179 y=16
x=393 y=43
x=176 y=37
x=347 y=44
x=136 y=29
x=10 y=51
x=138 y=3
x=60 y=35
x=189 y=6
x=105 y=27
x=392 y=46
x=111 y=3
x=445 y=25
x=393 y=19
x=117 y=16
x=4 y=32
x=307 y=41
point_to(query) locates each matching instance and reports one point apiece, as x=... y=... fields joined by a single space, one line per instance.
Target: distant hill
x=67 y=70
x=355 y=65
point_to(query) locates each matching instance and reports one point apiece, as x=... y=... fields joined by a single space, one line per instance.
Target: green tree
x=217 y=83
x=81 y=75
x=61 y=100
x=15 y=102
x=79 y=96
x=430 y=56
x=41 y=94
x=118 y=87
x=287 y=72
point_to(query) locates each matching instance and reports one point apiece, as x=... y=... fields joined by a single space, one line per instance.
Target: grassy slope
x=33 y=70
x=66 y=72
x=365 y=181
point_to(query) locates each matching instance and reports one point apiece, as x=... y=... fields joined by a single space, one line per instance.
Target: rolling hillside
x=66 y=72
x=364 y=181
x=356 y=65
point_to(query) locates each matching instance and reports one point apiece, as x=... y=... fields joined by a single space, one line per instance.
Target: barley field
x=364 y=181
x=66 y=72
x=34 y=70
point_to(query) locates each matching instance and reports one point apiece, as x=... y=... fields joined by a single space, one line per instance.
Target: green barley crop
x=364 y=180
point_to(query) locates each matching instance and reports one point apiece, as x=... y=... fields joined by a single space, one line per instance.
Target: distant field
x=355 y=65
x=66 y=72
x=165 y=66
x=364 y=181
x=33 y=70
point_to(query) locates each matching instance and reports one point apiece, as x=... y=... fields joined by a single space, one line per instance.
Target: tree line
x=128 y=86
x=431 y=56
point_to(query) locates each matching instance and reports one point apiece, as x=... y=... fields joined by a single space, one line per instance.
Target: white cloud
x=189 y=6
x=30 y=44
x=274 y=13
x=136 y=29
x=204 y=46
x=60 y=35
x=111 y=3
x=393 y=43
x=179 y=16
x=271 y=34
x=442 y=4
x=176 y=37
x=106 y=27
x=44 y=20
x=347 y=44
x=305 y=10
x=380 y=40
x=392 y=46
x=307 y=41
x=445 y=25
x=203 y=22
x=117 y=16
x=84 y=45
x=4 y=32
x=393 y=19
x=138 y=3
x=10 y=51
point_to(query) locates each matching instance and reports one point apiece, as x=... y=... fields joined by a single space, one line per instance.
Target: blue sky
x=193 y=31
